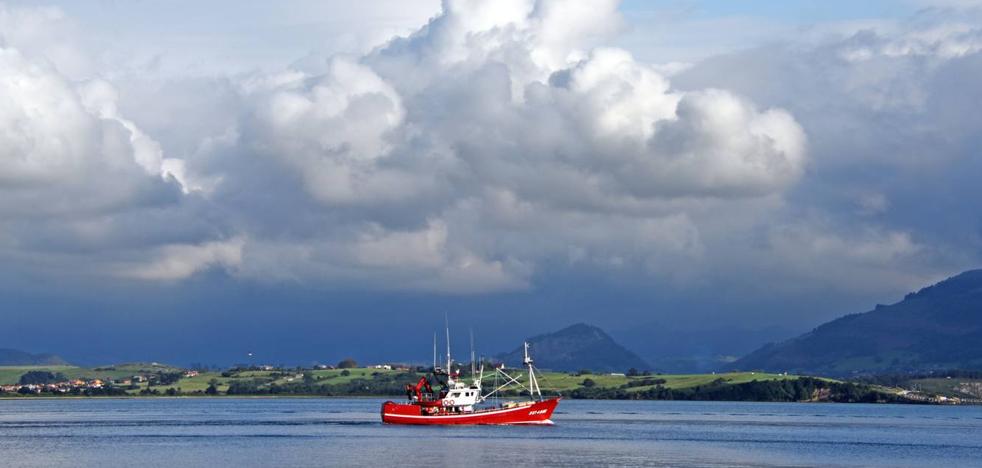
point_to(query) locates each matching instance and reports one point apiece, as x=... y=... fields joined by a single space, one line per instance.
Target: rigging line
x=516 y=380
x=541 y=379
x=509 y=382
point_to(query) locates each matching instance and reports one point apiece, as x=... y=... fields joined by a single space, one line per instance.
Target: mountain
x=13 y=357
x=674 y=349
x=938 y=327
x=577 y=347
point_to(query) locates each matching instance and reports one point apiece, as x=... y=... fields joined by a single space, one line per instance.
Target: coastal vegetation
x=160 y=380
x=776 y=390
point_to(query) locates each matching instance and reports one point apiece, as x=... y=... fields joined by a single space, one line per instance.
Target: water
x=319 y=432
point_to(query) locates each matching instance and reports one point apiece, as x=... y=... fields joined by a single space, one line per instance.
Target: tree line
x=791 y=390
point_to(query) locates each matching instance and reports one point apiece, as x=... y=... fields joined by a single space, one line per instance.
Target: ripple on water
x=289 y=432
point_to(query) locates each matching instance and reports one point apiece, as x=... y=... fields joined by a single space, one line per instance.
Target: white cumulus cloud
x=497 y=141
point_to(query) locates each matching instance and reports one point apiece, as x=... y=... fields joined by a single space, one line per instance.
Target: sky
x=308 y=180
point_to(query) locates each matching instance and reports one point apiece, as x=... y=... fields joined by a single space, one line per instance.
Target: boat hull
x=539 y=412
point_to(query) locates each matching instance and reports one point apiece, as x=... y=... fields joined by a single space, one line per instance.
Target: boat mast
x=434 y=351
x=446 y=323
x=533 y=382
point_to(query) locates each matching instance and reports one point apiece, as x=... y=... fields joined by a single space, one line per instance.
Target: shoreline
x=120 y=382
x=393 y=397
x=180 y=397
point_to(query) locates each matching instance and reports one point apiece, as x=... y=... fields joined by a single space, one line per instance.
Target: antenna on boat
x=434 y=351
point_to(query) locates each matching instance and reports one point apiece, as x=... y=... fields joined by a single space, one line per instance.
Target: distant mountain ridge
x=577 y=347
x=13 y=357
x=938 y=327
x=675 y=349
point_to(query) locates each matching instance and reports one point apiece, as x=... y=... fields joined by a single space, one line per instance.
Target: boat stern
x=392 y=412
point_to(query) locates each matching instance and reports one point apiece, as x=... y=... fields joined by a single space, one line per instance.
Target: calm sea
x=347 y=432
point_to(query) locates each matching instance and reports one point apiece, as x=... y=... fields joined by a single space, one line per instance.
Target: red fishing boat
x=462 y=402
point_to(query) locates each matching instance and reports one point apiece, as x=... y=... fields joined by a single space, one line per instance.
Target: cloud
x=365 y=172
x=496 y=145
x=331 y=128
x=495 y=102
x=939 y=42
x=60 y=142
x=721 y=145
x=80 y=183
x=375 y=258
x=45 y=32
x=868 y=259
x=890 y=143
x=176 y=262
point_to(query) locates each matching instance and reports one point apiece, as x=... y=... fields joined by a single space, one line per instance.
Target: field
x=334 y=376
x=198 y=383
x=11 y=374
